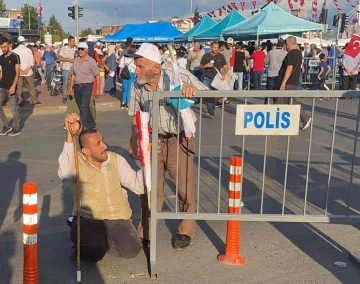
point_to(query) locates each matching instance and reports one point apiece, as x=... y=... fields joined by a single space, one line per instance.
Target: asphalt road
x=275 y=252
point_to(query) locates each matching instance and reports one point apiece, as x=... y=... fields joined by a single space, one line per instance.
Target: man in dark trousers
x=289 y=76
x=84 y=70
x=212 y=63
x=10 y=73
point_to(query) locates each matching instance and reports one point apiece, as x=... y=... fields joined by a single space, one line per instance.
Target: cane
x=77 y=205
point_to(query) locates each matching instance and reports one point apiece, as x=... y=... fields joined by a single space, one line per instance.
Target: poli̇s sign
x=267 y=120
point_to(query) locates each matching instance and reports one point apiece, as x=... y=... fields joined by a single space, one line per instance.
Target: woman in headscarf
x=110 y=81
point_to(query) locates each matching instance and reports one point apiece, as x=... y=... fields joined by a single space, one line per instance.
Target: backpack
x=125 y=72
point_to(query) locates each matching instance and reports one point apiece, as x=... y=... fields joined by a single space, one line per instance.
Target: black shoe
x=182 y=241
x=5 y=130
x=209 y=114
x=14 y=132
x=145 y=243
x=21 y=103
x=64 y=100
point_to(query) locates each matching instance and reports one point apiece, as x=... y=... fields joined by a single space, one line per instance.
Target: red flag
x=39 y=10
x=291 y=6
x=254 y=4
x=233 y=5
x=242 y=6
x=353 y=48
x=220 y=12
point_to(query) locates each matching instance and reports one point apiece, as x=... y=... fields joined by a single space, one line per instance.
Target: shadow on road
x=13 y=176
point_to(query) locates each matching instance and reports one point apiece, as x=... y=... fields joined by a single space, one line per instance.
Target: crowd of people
x=105 y=213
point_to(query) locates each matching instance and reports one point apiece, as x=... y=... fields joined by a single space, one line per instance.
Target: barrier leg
x=30 y=230
x=232 y=251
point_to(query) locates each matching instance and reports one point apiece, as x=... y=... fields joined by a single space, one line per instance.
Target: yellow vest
x=102 y=196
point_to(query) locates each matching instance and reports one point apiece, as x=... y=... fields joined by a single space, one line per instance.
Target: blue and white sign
x=267 y=120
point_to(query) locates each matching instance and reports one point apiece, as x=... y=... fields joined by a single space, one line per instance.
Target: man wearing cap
x=66 y=57
x=83 y=72
x=150 y=77
x=26 y=73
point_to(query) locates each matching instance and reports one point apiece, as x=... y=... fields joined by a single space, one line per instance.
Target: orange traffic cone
x=30 y=227
x=232 y=252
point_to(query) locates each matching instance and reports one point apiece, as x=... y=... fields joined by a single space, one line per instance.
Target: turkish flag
x=353 y=48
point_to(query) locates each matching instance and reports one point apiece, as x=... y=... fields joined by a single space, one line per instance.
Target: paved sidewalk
x=53 y=105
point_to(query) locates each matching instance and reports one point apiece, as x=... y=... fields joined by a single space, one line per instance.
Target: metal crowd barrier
x=293 y=203
x=310 y=76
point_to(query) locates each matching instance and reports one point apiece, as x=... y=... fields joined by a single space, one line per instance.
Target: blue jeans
x=257 y=79
x=199 y=74
x=237 y=76
x=82 y=94
x=48 y=69
x=127 y=88
x=210 y=105
x=65 y=77
x=300 y=82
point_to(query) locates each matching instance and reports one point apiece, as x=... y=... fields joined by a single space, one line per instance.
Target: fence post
x=232 y=252
x=30 y=227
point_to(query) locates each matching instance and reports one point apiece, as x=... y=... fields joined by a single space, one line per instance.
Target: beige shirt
x=84 y=73
x=26 y=58
x=67 y=53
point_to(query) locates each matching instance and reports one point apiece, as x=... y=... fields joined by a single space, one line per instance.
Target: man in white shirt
x=105 y=213
x=66 y=57
x=26 y=72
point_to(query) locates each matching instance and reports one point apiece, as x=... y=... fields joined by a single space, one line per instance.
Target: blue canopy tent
x=147 y=32
x=205 y=23
x=125 y=32
x=215 y=32
x=269 y=22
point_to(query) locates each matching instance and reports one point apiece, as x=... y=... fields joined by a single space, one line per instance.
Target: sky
x=99 y=13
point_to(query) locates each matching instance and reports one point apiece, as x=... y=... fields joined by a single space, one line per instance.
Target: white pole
x=152 y=10
x=358 y=14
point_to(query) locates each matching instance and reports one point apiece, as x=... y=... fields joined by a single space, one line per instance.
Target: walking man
x=66 y=57
x=9 y=74
x=84 y=70
x=150 y=77
x=26 y=73
x=289 y=77
x=213 y=63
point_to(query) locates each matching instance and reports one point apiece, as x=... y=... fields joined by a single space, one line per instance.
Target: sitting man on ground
x=105 y=213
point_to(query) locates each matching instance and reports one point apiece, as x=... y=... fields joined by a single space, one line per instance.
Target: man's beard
x=143 y=80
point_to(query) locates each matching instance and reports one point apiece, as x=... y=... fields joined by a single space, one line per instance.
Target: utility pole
x=338 y=29
x=29 y=14
x=77 y=21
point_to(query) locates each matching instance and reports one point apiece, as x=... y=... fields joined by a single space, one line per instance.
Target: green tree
x=2 y=8
x=86 y=32
x=26 y=11
x=56 y=29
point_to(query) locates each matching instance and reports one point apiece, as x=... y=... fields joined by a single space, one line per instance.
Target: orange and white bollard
x=30 y=227
x=232 y=252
